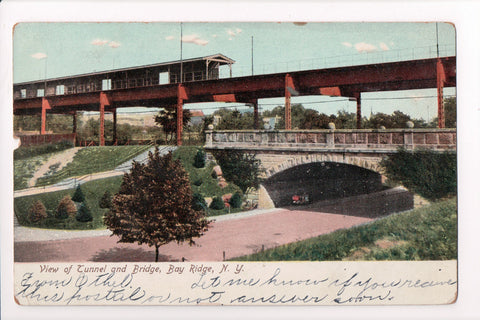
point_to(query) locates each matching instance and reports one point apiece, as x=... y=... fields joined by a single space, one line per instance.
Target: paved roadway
x=235 y=236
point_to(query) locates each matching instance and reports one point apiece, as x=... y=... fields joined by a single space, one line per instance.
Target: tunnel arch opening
x=321 y=181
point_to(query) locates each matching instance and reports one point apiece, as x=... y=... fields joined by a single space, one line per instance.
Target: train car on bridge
x=195 y=69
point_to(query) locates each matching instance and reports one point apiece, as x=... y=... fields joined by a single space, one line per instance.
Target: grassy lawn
x=92 y=190
x=94 y=159
x=201 y=180
x=428 y=233
x=23 y=170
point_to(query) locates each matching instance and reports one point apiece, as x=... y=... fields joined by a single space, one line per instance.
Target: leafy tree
x=84 y=214
x=450 y=113
x=236 y=200
x=396 y=120
x=235 y=120
x=450 y=106
x=243 y=169
x=199 y=160
x=66 y=208
x=106 y=200
x=37 y=212
x=346 y=120
x=154 y=205
x=168 y=120
x=78 y=196
x=198 y=202
x=217 y=204
x=431 y=174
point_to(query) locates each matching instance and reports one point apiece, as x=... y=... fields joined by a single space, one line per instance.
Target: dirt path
x=235 y=237
x=63 y=158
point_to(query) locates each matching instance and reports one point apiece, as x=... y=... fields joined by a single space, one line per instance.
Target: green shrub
x=431 y=174
x=78 y=196
x=199 y=161
x=106 y=200
x=217 y=204
x=66 y=208
x=236 y=200
x=243 y=169
x=198 y=202
x=84 y=214
x=37 y=212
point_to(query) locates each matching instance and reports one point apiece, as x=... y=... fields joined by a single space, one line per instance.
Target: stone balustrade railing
x=386 y=139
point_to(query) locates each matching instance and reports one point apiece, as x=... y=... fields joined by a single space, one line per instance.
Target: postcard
x=235 y=163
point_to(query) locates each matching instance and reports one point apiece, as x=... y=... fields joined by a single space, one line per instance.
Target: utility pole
x=252 y=55
x=181 y=52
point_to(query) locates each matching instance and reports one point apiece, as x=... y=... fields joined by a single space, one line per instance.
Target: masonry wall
x=371 y=205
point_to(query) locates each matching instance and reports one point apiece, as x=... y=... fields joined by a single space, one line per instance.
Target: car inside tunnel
x=319 y=181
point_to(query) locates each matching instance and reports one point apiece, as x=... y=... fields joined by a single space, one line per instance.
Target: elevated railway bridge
x=158 y=86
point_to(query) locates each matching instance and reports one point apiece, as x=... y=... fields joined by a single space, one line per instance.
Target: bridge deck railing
x=364 y=139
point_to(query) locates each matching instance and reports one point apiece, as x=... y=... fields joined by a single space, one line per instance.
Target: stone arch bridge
x=297 y=160
x=281 y=150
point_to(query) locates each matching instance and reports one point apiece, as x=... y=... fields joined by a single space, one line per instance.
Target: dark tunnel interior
x=321 y=181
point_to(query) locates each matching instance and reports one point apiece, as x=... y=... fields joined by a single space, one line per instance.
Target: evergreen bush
x=84 y=214
x=217 y=204
x=66 y=208
x=198 y=202
x=106 y=200
x=199 y=160
x=78 y=196
x=37 y=212
x=236 y=200
x=198 y=182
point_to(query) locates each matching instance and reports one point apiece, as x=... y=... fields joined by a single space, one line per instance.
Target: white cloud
x=233 y=32
x=384 y=47
x=365 y=47
x=39 y=55
x=347 y=44
x=169 y=37
x=114 y=44
x=195 y=39
x=201 y=42
x=99 y=42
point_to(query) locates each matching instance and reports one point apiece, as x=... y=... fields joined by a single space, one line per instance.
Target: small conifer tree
x=78 y=195
x=84 y=214
x=198 y=202
x=217 y=204
x=106 y=200
x=236 y=200
x=199 y=161
x=66 y=208
x=37 y=212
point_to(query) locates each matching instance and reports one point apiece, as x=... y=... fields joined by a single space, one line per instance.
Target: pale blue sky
x=63 y=49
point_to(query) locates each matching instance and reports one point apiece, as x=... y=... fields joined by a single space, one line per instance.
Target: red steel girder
x=415 y=74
